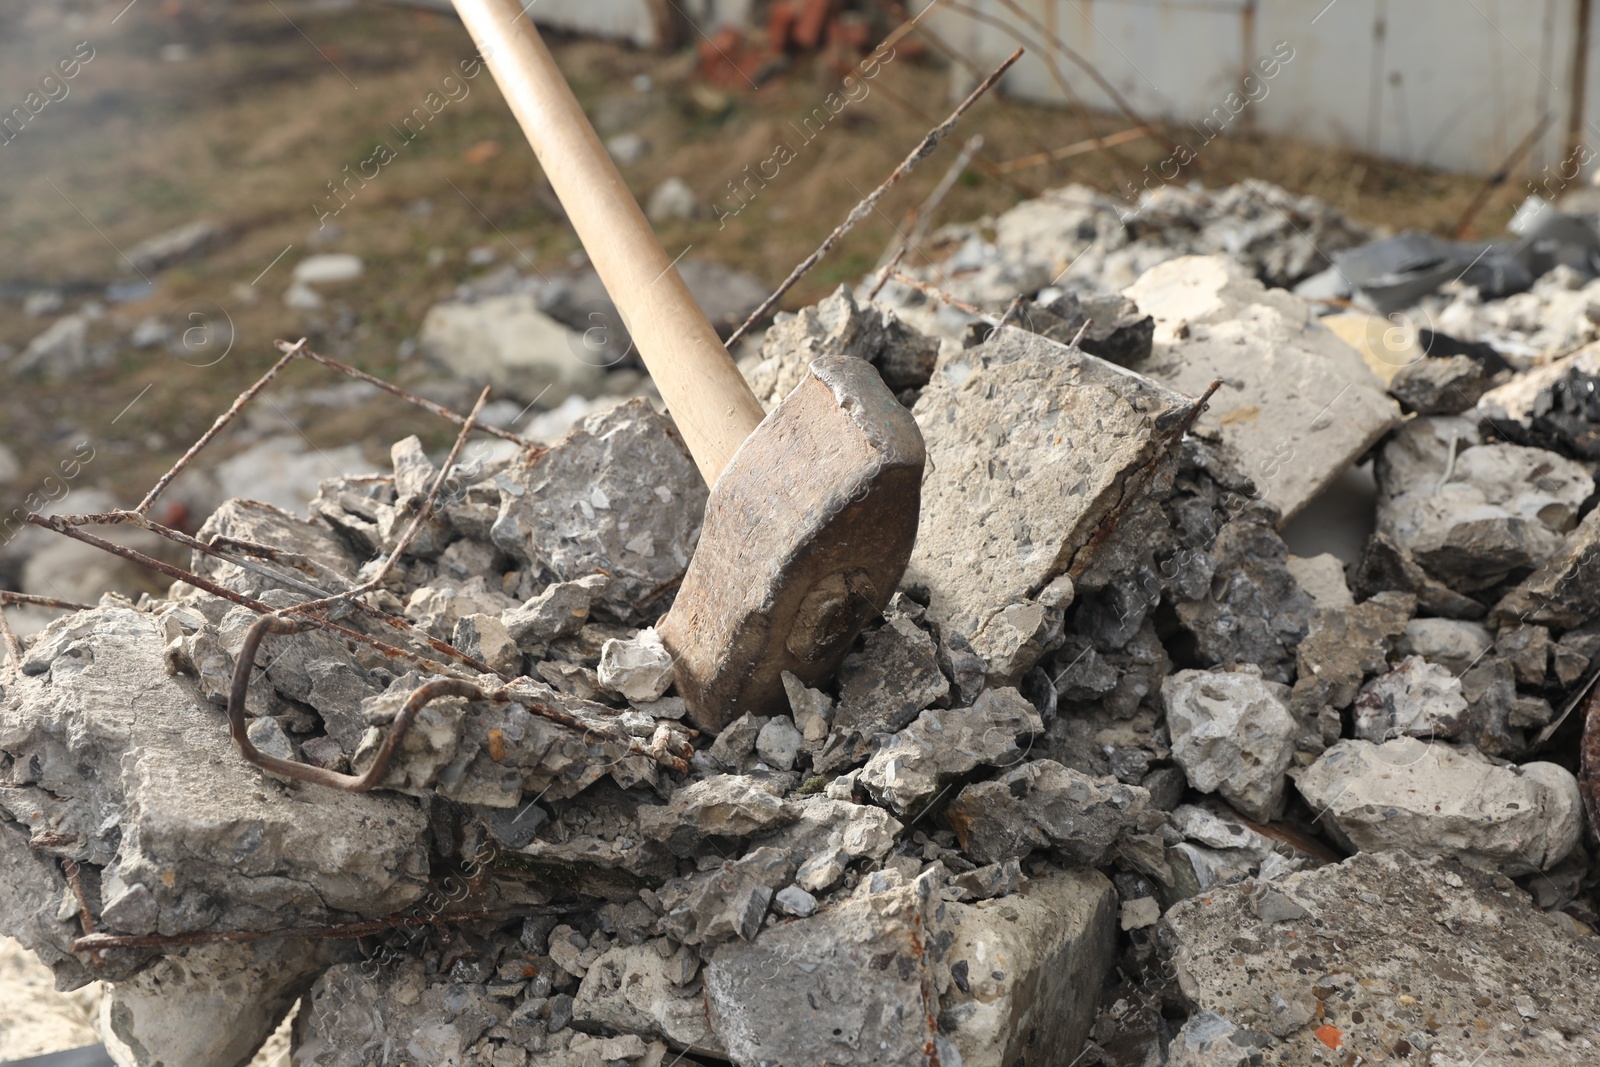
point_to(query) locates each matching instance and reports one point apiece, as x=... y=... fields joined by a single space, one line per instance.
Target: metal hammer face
x=806 y=536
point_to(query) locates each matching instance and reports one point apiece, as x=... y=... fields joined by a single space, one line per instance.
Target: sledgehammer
x=813 y=508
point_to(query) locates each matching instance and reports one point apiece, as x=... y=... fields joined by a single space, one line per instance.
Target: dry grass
x=248 y=131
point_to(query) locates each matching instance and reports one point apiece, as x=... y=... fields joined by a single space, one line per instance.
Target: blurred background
x=184 y=181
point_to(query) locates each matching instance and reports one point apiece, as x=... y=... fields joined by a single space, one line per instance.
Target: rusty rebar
x=414 y=703
x=869 y=203
x=424 y=513
x=54 y=522
x=216 y=427
x=29 y=600
x=933 y=292
x=411 y=398
x=85 y=918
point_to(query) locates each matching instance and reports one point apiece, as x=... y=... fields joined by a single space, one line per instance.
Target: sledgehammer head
x=806 y=535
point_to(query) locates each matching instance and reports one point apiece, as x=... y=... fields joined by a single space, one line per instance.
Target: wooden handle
x=708 y=397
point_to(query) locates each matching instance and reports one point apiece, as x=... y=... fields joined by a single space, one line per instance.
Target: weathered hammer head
x=806 y=535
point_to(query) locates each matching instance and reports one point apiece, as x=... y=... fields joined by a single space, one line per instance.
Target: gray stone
x=62 y=350
x=627 y=148
x=507 y=342
x=560 y=611
x=1564 y=592
x=1043 y=805
x=778 y=744
x=839 y=326
x=1409 y=958
x=942 y=746
x=619 y=494
x=1030 y=446
x=737 y=741
x=1298 y=404
x=1416 y=699
x=991 y=880
x=329 y=268
x=179 y=243
x=1502 y=507
x=639 y=669
x=673 y=199
x=792 y=900
x=485 y=638
x=1454 y=644
x=1232 y=734
x=812 y=709
x=1323 y=578
x=1434 y=799
x=1107 y=325
x=1344 y=647
x=357 y=1011
x=883 y=687
x=1252 y=613
x=1440 y=386
x=631 y=989
x=725 y=806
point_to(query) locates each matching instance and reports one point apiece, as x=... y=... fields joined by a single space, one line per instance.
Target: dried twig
x=866 y=206
x=1077 y=148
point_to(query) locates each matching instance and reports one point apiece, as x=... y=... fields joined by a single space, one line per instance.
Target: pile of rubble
x=1084 y=793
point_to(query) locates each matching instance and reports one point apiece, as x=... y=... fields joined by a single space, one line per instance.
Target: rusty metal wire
x=924 y=148
x=420 y=698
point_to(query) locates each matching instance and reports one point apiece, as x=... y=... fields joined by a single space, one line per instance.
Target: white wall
x=1452 y=83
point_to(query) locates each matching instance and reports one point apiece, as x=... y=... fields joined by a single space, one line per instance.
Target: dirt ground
x=246 y=112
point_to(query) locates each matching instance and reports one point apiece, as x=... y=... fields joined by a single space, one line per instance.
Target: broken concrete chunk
x=1435 y=799
x=1416 y=699
x=559 y=611
x=1551 y=406
x=640 y=669
x=737 y=741
x=1043 y=805
x=213 y=1004
x=943 y=745
x=1472 y=514
x=202 y=831
x=1564 y=592
x=1030 y=446
x=1454 y=644
x=852 y=985
x=893 y=677
x=792 y=900
x=310 y=552
x=1395 y=953
x=1024 y=969
x=1108 y=325
x=812 y=709
x=1252 y=611
x=1232 y=734
x=1298 y=404
x=778 y=744
x=631 y=989
x=619 y=494
x=1323 y=578
x=1342 y=649
x=1446 y=386
x=728 y=805
x=839 y=326
x=484 y=637
x=507 y=341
